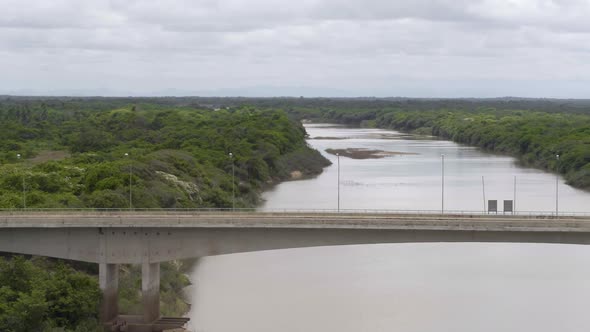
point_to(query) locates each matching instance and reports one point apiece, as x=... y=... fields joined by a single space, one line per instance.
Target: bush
x=34 y=299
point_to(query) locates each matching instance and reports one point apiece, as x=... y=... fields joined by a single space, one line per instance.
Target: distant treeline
x=298 y=103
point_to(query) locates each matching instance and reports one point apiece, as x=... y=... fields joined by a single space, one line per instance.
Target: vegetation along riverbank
x=91 y=152
x=534 y=131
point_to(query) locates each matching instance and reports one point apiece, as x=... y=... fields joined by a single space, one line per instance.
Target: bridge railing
x=302 y=211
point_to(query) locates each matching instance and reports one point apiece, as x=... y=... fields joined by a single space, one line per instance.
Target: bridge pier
x=150 y=288
x=150 y=291
x=108 y=276
x=150 y=320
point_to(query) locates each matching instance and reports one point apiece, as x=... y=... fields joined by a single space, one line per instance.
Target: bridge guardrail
x=531 y=214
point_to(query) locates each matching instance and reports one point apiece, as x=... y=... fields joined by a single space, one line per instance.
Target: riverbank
x=555 y=142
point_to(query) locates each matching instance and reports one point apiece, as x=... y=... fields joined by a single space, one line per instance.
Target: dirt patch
x=296 y=175
x=359 y=153
x=44 y=156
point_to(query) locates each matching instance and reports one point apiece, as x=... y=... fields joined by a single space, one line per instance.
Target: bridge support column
x=150 y=288
x=108 y=275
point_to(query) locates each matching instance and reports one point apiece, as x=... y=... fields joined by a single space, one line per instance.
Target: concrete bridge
x=151 y=237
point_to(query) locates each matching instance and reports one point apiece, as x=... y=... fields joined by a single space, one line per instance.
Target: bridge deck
x=292 y=220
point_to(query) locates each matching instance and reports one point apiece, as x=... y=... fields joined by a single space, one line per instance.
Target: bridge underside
x=139 y=245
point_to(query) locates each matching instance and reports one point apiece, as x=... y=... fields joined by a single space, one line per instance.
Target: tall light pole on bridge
x=557 y=185
x=338 y=157
x=442 y=196
x=18 y=155
x=233 y=184
x=130 y=178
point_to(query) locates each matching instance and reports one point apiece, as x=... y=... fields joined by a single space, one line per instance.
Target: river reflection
x=403 y=287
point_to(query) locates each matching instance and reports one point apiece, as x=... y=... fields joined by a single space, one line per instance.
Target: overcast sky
x=414 y=48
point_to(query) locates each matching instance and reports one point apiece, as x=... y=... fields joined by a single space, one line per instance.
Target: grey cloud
x=42 y=14
x=231 y=15
x=366 y=46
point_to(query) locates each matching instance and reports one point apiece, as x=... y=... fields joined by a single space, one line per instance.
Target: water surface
x=414 y=182
x=432 y=287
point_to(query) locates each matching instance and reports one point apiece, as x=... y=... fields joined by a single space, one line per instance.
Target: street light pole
x=338 y=155
x=557 y=186
x=442 y=197
x=514 y=197
x=233 y=185
x=24 y=187
x=130 y=178
x=483 y=189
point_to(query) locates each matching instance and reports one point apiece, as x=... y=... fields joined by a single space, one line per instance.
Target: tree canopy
x=168 y=156
x=39 y=295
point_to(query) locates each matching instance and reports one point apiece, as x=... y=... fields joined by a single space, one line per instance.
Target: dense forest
x=121 y=154
x=169 y=157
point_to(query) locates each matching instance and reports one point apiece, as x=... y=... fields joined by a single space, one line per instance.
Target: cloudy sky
x=415 y=48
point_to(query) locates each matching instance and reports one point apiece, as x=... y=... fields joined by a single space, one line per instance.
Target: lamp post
x=130 y=178
x=442 y=196
x=483 y=190
x=514 y=197
x=24 y=187
x=557 y=186
x=338 y=156
x=233 y=185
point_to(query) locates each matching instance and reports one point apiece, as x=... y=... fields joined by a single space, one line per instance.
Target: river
x=403 y=287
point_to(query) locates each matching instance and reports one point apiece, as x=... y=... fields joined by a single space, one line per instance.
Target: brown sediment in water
x=328 y=137
x=359 y=153
x=376 y=136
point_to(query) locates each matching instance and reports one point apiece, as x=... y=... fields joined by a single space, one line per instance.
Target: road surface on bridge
x=299 y=220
